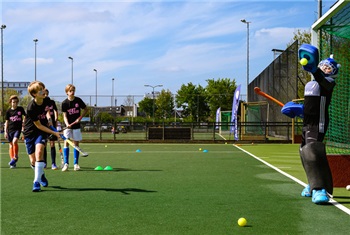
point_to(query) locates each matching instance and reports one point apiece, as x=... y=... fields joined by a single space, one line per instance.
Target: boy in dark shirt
x=13 y=127
x=73 y=109
x=36 y=131
x=54 y=116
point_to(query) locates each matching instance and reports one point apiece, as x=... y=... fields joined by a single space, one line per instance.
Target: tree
x=129 y=101
x=24 y=101
x=165 y=104
x=220 y=94
x=146 y=106
x=301 y=36
x=105 y=117
x=192 y=100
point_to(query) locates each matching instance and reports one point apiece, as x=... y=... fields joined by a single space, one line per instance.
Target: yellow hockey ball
x=303 y=61
x=242 y=222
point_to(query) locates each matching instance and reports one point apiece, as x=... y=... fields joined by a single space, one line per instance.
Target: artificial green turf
x=164 y=189
x=286 y=157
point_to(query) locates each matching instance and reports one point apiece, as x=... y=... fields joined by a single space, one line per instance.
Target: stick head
x=84 y=154
x=257 y=89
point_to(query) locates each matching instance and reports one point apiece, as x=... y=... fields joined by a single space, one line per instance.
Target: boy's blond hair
x=13 y=97
x=69 y=87
x=34 y=87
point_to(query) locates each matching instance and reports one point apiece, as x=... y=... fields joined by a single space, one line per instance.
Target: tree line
x=195 y=103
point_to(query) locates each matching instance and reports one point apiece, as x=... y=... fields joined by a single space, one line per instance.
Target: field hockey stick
x=76 y=121
x=263 y=94
x=61 y=153
x=59 y=149
x=83 y=154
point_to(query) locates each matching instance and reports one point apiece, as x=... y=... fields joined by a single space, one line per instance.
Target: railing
x=247 y=131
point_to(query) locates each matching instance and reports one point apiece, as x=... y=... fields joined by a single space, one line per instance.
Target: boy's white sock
x=38 y=171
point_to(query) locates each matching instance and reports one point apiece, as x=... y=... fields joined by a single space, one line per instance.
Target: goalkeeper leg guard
x=316 y=166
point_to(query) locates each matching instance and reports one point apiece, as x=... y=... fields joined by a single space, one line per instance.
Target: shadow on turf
x=121 y=190
x=342 y=197
x=17 y=168
x=83 y=169
x=115 y=169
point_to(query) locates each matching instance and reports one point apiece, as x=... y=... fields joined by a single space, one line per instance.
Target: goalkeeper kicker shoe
x=320 y=196
x=306 y=191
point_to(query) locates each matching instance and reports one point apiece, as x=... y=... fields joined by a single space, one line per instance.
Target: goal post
x=331 y=33
x=325 y=19
x=255 y=115
x=225 y=122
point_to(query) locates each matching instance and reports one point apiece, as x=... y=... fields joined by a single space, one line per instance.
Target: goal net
x=332 y=34
x=225 y=123
x=256 y=115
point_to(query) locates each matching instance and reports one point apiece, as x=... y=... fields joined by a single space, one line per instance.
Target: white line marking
x=332 y=201
x=221 y=136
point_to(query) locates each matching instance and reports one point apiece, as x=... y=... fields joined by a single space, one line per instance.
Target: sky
x=169 y=43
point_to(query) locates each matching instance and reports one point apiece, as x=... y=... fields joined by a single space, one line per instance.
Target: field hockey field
x=169 y=189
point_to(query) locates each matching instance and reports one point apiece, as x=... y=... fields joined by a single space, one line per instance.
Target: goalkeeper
x=317 y=97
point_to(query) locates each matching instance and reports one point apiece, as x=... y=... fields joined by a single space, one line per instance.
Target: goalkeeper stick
x=263 y=94
x=83 y=154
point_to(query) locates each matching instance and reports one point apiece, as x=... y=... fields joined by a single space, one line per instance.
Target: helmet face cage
x=332 y=64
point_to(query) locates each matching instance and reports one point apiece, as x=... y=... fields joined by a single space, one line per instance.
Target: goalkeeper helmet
x=330 y=62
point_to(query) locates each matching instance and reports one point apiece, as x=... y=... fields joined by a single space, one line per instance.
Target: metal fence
x=200 y=132
x=280 y=80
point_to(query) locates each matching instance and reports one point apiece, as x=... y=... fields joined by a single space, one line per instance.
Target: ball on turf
x=242 y=222
x=303 y=61
x=200 y=149
x=348 y=187
x=105 y=146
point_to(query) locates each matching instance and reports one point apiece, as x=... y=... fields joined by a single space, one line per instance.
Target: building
x=20 y=87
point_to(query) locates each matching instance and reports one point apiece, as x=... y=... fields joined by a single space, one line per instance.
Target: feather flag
x=235 y=105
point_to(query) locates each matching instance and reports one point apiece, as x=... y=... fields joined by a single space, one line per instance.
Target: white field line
x=221 y=136
x=332 y=201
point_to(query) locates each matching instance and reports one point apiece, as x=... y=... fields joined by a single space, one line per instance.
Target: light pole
x=35 y=43
x=2 y=73
x=71 y=58
x=96 y=88
x=247 y=22
x=153 y=95
x=112 y=92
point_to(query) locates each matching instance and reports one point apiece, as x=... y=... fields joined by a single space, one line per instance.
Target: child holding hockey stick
x=73 y=109
x=36 y=132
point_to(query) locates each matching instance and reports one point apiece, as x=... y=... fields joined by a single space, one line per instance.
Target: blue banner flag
x=235 y=105
x=217 y=118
